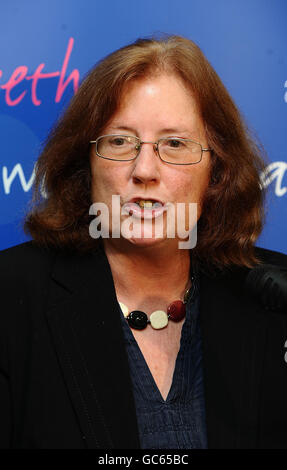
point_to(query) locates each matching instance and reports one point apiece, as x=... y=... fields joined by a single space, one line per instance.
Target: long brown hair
x=232 y=213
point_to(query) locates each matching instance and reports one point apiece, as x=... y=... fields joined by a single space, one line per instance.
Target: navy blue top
x=178 y=422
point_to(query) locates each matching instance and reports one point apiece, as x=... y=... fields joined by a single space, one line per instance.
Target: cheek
x=99 y=168
x=200 y=180
x=195 y=186
x=102 y=176
x=195 y=189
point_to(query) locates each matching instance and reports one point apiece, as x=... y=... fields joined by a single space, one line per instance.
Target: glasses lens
x=180 y=151
x=117 y=147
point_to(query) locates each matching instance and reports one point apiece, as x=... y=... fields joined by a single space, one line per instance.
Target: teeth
x=147 y=204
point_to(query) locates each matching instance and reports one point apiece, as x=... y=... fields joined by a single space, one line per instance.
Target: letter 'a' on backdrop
x=47 y=48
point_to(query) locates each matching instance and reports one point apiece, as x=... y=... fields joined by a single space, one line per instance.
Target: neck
x=151 y=269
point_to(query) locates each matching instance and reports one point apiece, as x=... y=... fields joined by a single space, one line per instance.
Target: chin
x=146 y=242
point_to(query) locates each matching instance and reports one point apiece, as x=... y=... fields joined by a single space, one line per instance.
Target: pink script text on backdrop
x=20 y=73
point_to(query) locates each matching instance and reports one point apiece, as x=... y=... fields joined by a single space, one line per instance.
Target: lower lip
x=136 y=211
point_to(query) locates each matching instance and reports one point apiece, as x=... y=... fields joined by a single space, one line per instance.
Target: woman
x=86 y=358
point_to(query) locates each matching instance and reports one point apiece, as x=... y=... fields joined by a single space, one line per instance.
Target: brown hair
x=232 y=212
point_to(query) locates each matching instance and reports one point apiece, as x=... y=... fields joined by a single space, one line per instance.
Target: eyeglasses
x=173 y=150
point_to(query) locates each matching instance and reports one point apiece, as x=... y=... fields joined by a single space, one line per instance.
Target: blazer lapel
x=84 y=320
x=233 y=338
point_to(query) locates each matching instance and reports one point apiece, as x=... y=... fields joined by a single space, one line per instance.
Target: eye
x=174 y=143
x=118 y=141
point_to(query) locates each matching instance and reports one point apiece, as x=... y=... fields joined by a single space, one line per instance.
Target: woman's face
x=151 y=109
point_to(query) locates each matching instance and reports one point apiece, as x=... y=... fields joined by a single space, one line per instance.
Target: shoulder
x=28 y=250
x=232 y=282
x=237 y=274
x=24 y=281
x=271 y=257
x=24 y=261
x=29 y=268
x=24 y=272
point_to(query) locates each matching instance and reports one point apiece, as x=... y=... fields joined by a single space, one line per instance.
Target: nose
x=146 y=165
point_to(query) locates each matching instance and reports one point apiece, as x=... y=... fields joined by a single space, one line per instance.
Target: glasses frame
x=140 y=142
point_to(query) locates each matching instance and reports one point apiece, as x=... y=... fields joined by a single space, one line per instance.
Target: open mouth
x=148 y=204
x=144 y=207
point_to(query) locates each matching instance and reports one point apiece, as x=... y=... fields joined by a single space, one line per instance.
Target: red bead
x=176 y=310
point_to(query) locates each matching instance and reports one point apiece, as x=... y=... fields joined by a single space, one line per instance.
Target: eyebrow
x=123 y=128
x=168 y=130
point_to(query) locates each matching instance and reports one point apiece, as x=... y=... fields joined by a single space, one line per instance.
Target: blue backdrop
x=47 y=47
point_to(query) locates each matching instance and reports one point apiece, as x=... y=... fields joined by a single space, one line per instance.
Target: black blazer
x=64 y=375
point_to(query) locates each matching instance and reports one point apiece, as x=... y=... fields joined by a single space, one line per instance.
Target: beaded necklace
x=139 y=320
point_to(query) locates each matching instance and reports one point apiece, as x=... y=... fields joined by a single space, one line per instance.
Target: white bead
x=158 y=319
x=125 y=309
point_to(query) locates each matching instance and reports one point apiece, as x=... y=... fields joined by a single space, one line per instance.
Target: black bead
x=137 y=320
